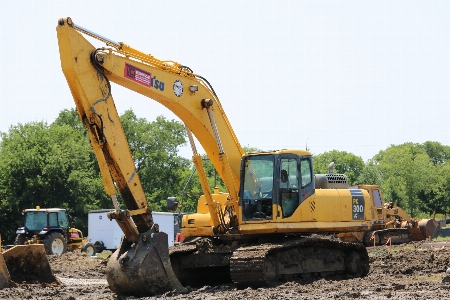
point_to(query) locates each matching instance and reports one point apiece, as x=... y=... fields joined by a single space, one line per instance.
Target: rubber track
x=252 y=266
x=248 y=266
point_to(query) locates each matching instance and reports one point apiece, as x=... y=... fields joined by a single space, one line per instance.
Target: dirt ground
x=406 y=271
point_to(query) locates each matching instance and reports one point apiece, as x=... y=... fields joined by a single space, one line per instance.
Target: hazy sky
x=354 y=76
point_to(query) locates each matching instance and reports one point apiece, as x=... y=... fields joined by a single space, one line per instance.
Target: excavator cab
x=274 y=185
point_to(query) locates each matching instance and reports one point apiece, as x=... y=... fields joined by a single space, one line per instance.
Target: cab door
x=288 y=183
x=306 y=178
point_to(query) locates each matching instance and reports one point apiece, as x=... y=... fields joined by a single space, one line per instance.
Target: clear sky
x=354 y=76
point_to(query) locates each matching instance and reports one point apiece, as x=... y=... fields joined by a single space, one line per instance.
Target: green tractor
x=50 y=227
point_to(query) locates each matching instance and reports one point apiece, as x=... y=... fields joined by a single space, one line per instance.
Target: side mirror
x=172 y=203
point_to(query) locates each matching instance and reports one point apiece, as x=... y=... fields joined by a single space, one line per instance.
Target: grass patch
x=375 y=253
x=409 y=247
x=103 y=255
x=422 y=249
x=431 y=278
x=442 y=234
x=442 y=239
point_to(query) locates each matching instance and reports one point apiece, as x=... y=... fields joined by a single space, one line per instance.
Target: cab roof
x=282 y=151
x=45 y=209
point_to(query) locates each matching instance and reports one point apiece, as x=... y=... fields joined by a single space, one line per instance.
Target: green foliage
x=54 y=166
x=439 y=154
x=344 y=163
x=370 y=174
x=191 y=192
x=154 y=146
x=402 y=166
x=49 y=166
x=248 y=149
x=193 y=189
x=70 y=118
x=415 y=176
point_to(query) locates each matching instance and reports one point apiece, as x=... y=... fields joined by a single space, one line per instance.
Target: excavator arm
x=89 y=71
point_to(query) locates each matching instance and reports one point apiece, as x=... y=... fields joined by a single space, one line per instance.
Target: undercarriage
x=259 y=261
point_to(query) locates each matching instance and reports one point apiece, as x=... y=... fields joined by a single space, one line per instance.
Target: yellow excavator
x=268 y=225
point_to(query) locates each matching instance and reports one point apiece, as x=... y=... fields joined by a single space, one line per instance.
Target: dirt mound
x=409 y=259
x=79 y=265
x=401 y=272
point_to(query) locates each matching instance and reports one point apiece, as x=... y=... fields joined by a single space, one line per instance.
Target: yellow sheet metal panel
x=5 y=279
x=353 y=237
x=196 y=220
x=202 y=206
x=326 y=210
x=197 y=231
x=342 y=205
x=304 y=227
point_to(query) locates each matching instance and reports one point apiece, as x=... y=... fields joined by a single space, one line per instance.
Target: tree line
x=53 y=165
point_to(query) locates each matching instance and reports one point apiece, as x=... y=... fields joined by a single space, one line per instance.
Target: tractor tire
x=89 y=249
x=20 y=240
x=55 y=243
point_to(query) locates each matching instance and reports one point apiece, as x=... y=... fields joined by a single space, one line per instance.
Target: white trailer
x=106 y=234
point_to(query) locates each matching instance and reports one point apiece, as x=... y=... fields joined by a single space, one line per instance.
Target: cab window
x=305 y=167
x=377 y=198
x=53 y=219
x=62 y=219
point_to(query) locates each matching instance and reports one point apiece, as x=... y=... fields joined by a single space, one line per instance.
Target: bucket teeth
x=143 y=268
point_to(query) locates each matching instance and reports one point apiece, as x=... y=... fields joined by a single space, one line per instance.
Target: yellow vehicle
x=50 y=227
x=258 y=232
x=391 y=223
x=45 y=232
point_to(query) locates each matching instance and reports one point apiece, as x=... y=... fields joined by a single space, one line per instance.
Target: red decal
x=138 y=75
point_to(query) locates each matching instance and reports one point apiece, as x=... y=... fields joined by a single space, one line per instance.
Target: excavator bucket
x=143 y=268
x=27 y=263
x=422 y=230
